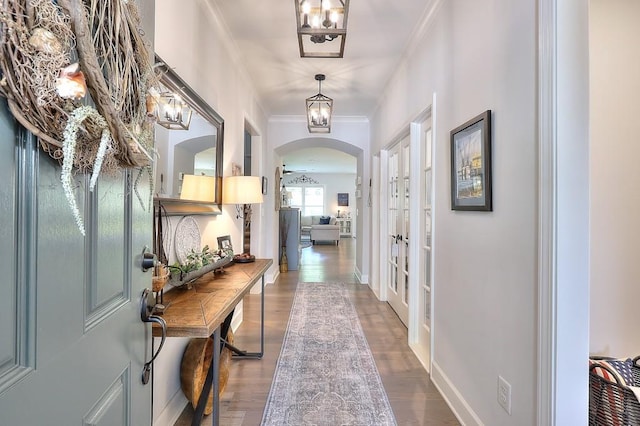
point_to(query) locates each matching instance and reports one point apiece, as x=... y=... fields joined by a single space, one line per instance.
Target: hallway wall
x=190 y=38
x=615 y=198
x=476 y=56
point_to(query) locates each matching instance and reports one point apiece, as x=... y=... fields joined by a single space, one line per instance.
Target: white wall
x=333 y=184
x=477 y=56
x=190 y=38
x=615 y=196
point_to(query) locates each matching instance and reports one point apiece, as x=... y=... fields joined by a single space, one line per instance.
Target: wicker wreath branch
x=69 y=148
x=39 y=40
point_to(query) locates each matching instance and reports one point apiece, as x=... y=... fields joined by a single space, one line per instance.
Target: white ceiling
x=265 y=37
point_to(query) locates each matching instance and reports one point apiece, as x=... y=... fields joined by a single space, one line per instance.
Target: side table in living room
x=345 y=226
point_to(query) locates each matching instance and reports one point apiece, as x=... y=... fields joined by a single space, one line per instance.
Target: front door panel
x=72 y=345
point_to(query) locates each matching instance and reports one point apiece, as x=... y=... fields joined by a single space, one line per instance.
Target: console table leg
x=216 y=378
x=240 y=354
x=262 y=318
x=211 y=384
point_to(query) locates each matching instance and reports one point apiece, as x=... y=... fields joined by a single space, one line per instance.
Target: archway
x=360 y=208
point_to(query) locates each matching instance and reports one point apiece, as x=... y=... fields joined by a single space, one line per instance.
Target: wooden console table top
x=198 y=311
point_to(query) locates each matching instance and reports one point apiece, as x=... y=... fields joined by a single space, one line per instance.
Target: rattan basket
x=612 y=403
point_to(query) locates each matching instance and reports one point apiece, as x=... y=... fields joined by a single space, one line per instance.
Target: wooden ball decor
x=195 y=364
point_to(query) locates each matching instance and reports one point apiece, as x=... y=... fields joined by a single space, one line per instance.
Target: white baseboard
x=362 y=278
x=271 y=277
x=463 y=412
x=421 y=354
x=172 y=411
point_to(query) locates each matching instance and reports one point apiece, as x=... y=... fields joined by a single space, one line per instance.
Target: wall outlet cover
x=504 y=394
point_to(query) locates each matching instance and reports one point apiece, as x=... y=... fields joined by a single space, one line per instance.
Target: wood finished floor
x=414 y=399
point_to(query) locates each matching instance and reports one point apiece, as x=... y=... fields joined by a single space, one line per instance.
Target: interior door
x=398 y=226
x=426 y=256
x=72 y=345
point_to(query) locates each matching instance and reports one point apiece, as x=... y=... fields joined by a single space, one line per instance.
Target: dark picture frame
x=343 y=199
x=224 y=244
x=471 y=165
x=264 y=185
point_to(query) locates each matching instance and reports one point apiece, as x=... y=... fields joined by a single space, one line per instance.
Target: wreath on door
x=55 y=53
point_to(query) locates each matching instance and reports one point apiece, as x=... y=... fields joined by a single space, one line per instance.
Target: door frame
x=563 y=212
x=417 y=228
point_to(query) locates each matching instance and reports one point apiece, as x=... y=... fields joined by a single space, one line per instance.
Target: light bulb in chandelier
x=319 y=110
x=172 y=112
x=320 y=23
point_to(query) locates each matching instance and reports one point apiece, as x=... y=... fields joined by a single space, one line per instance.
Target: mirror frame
x=176 y=206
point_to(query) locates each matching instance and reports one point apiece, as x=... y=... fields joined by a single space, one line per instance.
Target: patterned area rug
x=326 y=375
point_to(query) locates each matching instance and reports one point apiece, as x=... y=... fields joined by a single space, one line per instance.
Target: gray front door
x=72 y=345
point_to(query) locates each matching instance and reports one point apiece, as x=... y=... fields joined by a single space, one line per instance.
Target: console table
x=205 y=310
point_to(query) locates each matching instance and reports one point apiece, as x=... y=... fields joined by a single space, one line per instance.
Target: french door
x=398 y=229
x=423 y=346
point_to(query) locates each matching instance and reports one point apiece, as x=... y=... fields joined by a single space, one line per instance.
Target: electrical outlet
x=504 y=394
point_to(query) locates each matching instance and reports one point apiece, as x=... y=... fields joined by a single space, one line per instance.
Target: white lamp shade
x=242 y=190
x=198 y=188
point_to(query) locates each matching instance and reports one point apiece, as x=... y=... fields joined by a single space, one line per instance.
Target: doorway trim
x=417 y=228
x=563 y=223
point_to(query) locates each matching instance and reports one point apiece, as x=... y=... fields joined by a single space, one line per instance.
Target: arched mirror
x=189 y=141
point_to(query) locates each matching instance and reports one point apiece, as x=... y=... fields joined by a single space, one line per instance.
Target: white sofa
x=318 y=232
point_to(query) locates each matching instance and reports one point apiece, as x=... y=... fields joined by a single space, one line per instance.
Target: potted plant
x=197 y=264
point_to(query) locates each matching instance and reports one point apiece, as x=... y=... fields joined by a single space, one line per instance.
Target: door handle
x=147 y=309
x=149 y=260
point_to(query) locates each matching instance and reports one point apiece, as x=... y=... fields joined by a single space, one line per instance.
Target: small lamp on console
x=242 y=191
x=198 y=188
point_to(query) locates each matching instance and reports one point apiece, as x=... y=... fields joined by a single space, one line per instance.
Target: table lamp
x=198 y=188
x=242 y=191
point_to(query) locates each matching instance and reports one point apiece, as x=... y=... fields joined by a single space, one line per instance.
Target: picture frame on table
x=265 y=182
x=471 y=165
x=224 y=244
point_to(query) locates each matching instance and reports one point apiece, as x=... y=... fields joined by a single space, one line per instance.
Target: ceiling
x=265 y=39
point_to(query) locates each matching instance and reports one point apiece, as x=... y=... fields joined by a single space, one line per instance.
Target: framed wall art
x=471 y=164
x=343 y=198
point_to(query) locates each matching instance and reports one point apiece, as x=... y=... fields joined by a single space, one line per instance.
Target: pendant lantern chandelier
x=319 y=110
x=322 y=27
x=172 y=112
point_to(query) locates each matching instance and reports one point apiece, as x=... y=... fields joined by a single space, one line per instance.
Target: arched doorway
x=320 y=148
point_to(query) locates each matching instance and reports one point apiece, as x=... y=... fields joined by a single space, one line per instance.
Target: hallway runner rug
x=326 y=375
